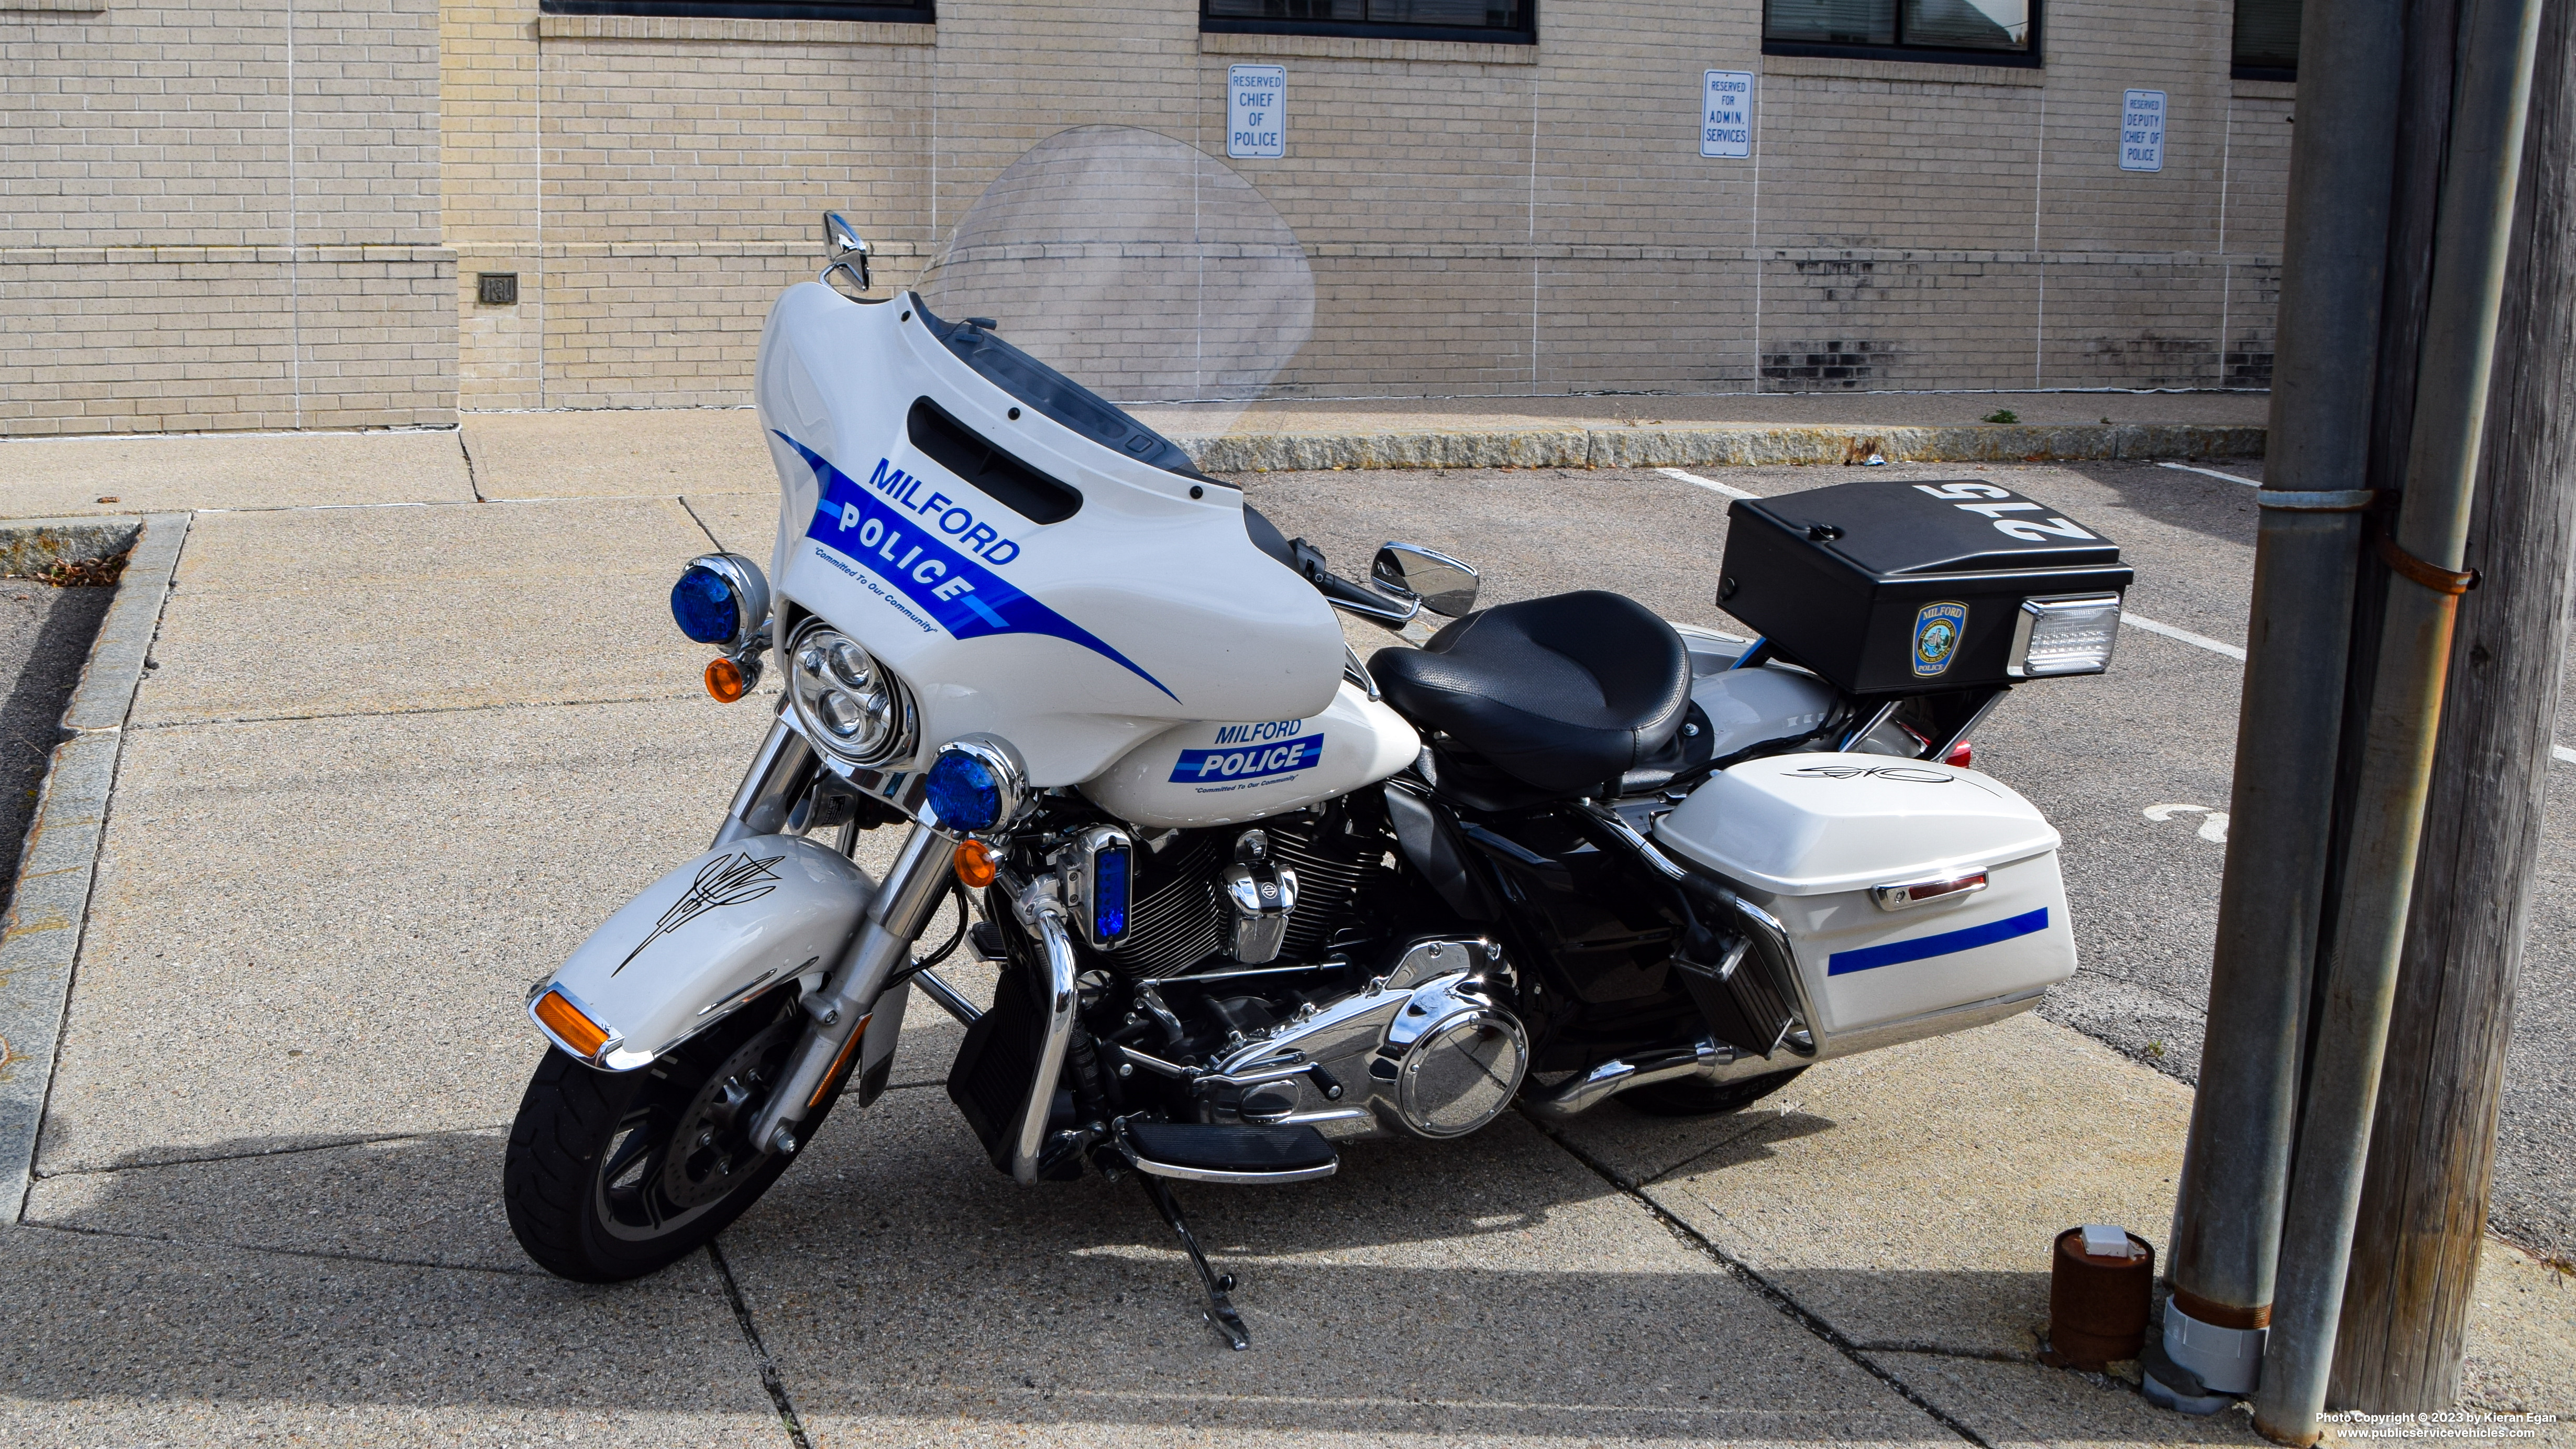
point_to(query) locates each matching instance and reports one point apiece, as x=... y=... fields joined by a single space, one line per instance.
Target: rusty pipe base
x=2097 y=1306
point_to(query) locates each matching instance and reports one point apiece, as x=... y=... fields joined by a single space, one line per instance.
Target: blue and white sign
x=1248 y=762
x=1726 y=114
x=1256 y=110
x=2142 y=131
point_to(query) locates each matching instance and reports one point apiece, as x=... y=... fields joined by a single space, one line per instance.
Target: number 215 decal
x=1970 y=496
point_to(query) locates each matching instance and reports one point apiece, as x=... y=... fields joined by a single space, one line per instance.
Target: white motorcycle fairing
x=1148 y=606
x=705 y=939
x=1219 y=774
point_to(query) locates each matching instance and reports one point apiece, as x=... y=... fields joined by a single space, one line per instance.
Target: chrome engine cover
x=1429 y=1049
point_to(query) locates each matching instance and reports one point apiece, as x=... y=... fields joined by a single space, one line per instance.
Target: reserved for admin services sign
x=1726 y=114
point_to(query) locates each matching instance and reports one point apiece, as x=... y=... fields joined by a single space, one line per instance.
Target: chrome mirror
x=847 y=250
x=1444 y=585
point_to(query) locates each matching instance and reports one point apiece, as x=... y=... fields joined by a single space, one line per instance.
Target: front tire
x=613 y=1175
x=1700 y=1097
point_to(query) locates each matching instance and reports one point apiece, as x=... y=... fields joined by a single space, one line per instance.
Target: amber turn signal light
x=975 y=864
x=725 y=681
x=575 y=1030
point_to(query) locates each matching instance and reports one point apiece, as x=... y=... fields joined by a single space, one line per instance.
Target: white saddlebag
x=1853 y=853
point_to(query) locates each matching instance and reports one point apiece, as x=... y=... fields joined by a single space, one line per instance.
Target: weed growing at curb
x=79 y=573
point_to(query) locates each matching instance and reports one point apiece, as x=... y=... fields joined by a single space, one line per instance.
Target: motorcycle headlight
x=850 y=704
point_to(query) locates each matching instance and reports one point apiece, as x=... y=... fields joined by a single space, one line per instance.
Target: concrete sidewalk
x=393 y=762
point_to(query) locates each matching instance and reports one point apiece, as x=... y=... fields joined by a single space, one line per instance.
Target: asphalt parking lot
x=2132 y=766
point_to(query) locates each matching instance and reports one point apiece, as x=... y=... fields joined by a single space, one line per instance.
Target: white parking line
x=2185 y=635
x=1710 y=484
x=2210 y=473
x=2559 y=753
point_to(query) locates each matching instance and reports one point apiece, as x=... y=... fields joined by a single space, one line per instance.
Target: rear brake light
x=577 y=1033
x=1915 y=893
x=1961 y=756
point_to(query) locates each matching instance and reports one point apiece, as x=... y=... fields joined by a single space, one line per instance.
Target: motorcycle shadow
x=1495 y=1287
x=1639 y=1148
x=433 y=1199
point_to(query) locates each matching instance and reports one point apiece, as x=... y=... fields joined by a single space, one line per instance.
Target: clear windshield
x=1136 y=265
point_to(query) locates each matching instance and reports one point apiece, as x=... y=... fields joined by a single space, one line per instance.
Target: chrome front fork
x=779 y=776
x=901 y=910
x=895 y=918
x=905 y=901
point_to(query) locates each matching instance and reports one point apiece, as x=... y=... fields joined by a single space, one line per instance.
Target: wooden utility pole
x=2425 y=1190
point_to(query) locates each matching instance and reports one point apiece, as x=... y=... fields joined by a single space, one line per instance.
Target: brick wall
x=222 y=216
x=1480 y=219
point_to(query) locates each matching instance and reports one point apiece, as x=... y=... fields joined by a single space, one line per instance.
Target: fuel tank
x=1028 y=560
x=1221 y=774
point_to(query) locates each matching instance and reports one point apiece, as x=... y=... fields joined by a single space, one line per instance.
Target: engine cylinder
x=1179 y=917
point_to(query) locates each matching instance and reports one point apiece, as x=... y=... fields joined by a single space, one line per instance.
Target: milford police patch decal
x=1936 y=637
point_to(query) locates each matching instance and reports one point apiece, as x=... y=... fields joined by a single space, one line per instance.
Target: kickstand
x=1220 y=1315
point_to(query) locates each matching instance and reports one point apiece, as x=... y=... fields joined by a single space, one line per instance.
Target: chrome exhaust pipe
x=1704 y=1058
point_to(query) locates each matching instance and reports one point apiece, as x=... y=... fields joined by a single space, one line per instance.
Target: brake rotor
x=710 y=1154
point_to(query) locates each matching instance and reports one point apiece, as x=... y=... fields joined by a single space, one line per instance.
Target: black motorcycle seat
x=1564 y=693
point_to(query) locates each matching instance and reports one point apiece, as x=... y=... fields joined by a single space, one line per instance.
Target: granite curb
x=41 y=935
x=28 y=546
x=1742 y=446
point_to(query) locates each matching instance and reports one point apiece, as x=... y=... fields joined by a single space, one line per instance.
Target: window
x=1970 y=32
x=909 y=14
x=1503 y=22
x=2267 y=40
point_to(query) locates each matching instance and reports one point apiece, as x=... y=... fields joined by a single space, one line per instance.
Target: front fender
x=700 y=942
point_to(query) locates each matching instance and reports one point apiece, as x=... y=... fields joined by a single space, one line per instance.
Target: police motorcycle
x=1248 y=896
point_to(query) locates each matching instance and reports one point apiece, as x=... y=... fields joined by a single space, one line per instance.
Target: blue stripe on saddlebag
x=1921 y=948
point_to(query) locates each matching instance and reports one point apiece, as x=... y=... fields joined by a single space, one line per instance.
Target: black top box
x=1894 y=588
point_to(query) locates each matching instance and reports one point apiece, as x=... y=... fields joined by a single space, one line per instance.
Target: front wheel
x=612 y=1175
x=1700 y=1097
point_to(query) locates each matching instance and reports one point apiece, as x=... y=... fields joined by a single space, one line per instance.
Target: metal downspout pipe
x=2227 y=1217
x=2471 y=241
